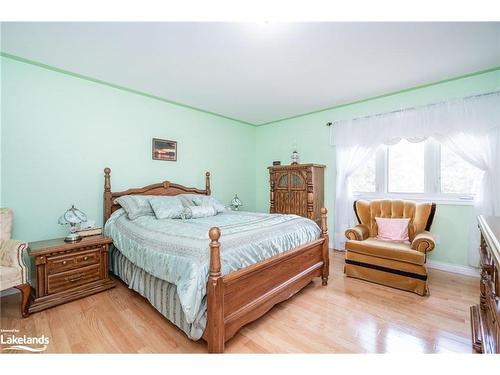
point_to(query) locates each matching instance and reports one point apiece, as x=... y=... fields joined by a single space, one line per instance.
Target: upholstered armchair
x=397 y=264
x=13 y=271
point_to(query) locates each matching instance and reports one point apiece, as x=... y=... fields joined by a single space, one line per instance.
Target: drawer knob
x=64 y=262
x=85 y=257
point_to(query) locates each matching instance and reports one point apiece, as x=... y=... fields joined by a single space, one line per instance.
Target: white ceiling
x=260 y=72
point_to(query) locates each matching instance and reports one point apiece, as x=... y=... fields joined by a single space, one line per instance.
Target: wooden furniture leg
x=25 y=290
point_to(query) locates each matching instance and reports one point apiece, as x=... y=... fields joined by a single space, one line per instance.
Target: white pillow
x=207 y=200
x=196 y=212
x=166 y=207
x=135 y=205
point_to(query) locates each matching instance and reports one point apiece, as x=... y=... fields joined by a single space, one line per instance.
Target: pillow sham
x=207 y=200
x=186 y=199
x=166 y=207
x=392 y=229
x=196 y=212
x=135 y=205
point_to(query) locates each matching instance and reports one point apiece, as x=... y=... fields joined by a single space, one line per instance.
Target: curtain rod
x=413 y=108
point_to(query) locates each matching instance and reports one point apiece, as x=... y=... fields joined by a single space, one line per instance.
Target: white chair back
x=6 y=216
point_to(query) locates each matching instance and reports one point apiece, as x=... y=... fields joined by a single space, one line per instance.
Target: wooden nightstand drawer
x=61 y=263
x=88 y=258
x=70 y=279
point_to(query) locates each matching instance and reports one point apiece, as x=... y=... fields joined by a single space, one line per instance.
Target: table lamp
x=73 y=216
x=236 y=202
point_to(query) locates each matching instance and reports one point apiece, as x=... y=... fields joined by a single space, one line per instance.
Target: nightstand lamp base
x=72 y=237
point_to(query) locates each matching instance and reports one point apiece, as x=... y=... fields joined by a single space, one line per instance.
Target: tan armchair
x=13 y=271
x=396 y=264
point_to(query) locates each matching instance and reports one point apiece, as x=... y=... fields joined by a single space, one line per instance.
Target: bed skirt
x=161 y=294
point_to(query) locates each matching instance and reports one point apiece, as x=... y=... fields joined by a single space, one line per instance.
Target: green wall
x=309 y=132
x=59 y=132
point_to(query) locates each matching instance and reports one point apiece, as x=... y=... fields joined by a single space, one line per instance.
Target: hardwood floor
x=347 y=316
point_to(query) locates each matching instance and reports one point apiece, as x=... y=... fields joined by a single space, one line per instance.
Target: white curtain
x=348 y=159
x=469 y=126
x=482 y=151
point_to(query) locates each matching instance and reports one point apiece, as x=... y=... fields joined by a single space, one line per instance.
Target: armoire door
x=297 y=196
x=281 y=192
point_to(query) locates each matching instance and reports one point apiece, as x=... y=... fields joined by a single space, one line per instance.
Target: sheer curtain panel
x=470 y=127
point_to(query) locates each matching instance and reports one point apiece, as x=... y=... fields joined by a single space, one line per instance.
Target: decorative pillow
x=206 y=200
x=196 y=212
x=166 y=207
x=135 y=205
x=186 y=199
x=392 y=229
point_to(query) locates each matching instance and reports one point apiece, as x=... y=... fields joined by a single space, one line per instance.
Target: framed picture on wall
x=164 y=149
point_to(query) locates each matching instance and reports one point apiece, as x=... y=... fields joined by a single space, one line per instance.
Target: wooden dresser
x=485 y=316
x=297 y=189
x=67 y=271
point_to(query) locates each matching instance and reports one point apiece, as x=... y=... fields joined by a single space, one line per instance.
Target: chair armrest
x=11 y=255
x=423 y=242
x=360 y=232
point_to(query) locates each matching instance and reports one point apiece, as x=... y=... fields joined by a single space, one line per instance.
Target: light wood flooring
x=347 y=316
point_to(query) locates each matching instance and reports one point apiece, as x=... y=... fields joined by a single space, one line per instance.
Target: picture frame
x=164 y=149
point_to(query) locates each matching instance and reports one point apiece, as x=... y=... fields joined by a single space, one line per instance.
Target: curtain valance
x=477 y=114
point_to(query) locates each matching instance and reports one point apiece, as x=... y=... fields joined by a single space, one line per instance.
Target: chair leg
x=25 y=290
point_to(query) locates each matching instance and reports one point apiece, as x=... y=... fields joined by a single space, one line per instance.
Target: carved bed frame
x=243 y=296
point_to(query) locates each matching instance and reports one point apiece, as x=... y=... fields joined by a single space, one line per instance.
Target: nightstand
x=68 y=271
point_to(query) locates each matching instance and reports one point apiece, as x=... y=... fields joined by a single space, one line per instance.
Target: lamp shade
x=236 y=202
x=72 y=216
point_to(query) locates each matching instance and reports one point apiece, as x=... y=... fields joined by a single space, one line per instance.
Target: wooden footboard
x=243 y=296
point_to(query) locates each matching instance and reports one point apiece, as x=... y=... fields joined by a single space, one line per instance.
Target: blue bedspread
x=177 y=251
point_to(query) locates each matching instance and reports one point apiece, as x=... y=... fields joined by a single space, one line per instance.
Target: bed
x=207 y=284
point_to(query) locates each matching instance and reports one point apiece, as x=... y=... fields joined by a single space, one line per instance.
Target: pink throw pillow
x=392 y=229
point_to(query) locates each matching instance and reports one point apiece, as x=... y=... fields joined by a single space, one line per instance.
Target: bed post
x=215 y=293
x=325 y=253
x=207 y=183
x=107 y=195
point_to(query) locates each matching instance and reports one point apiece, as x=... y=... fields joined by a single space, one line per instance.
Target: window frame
x=432 y=179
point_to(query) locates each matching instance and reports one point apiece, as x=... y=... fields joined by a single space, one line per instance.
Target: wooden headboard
x=162 y=188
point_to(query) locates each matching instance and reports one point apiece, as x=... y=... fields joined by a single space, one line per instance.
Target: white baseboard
x=454 y=268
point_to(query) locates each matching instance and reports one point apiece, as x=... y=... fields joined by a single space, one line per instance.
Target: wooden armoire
x=297 y=189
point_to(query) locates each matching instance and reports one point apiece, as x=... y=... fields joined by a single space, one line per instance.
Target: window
x=412 y=170
x=405 y=167
x=458 y=176
x=364 y=178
